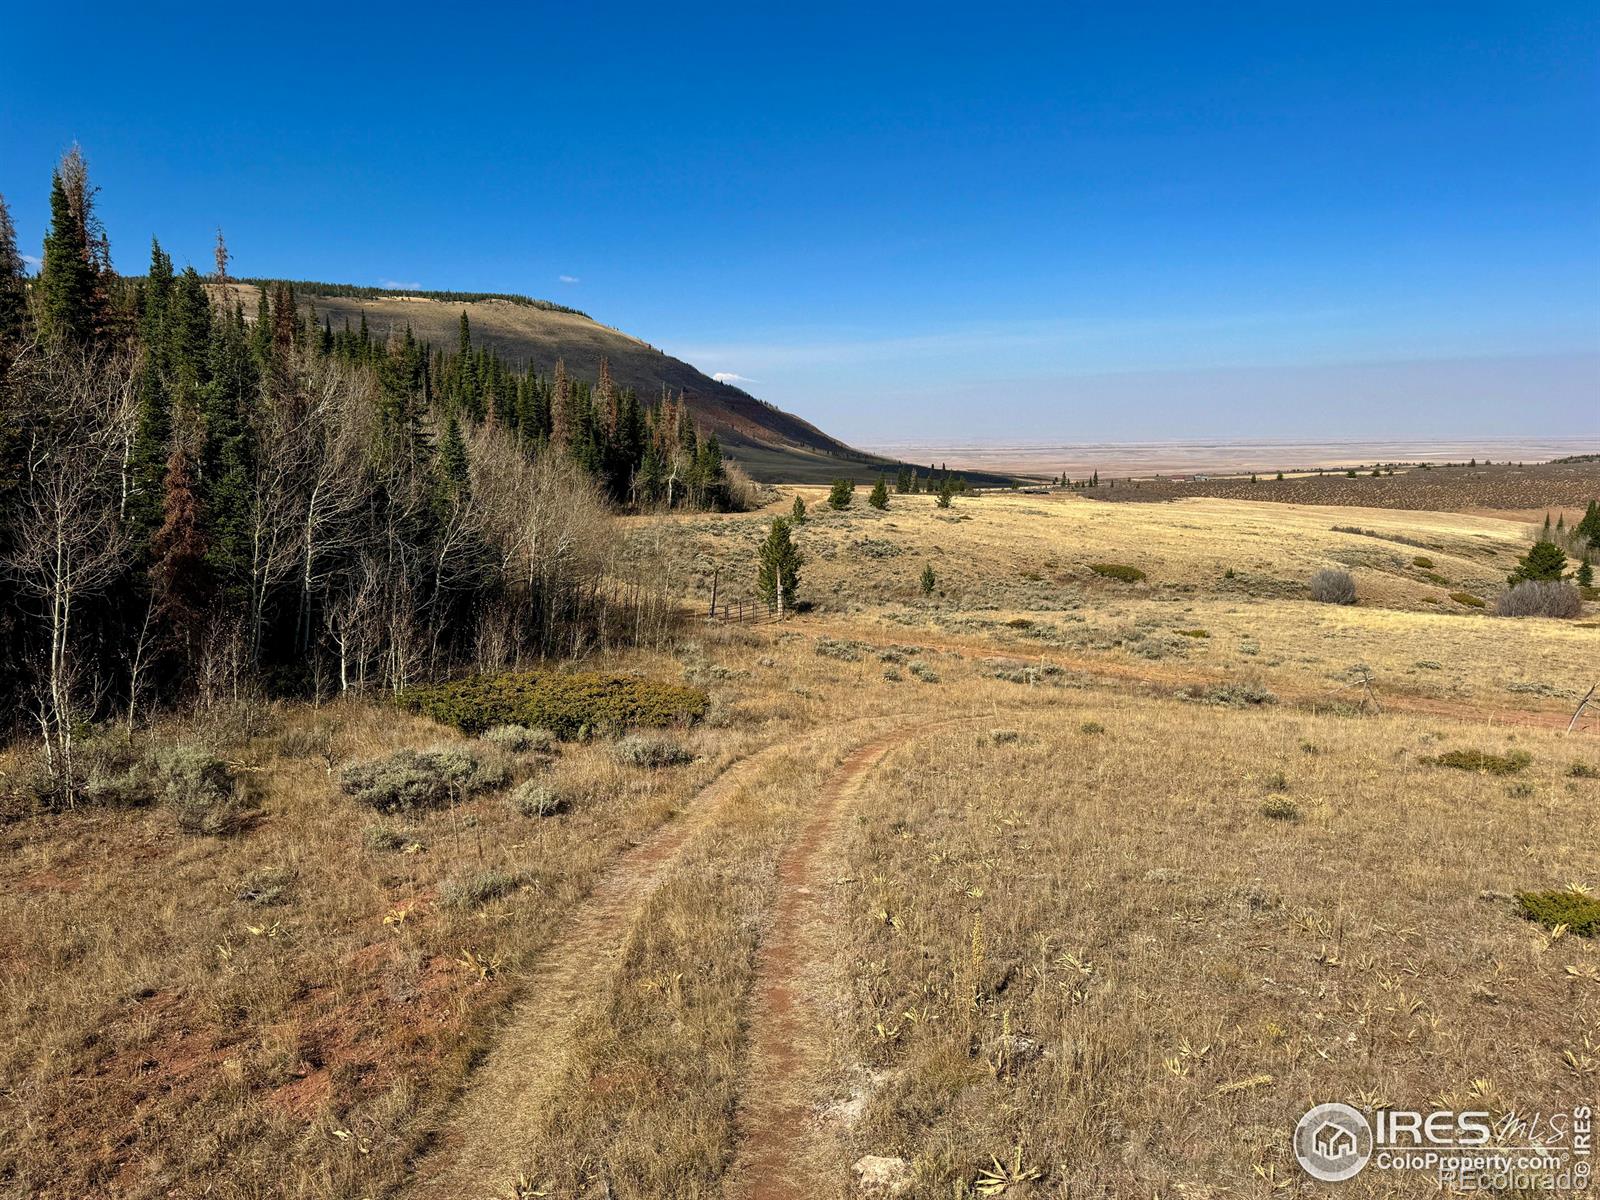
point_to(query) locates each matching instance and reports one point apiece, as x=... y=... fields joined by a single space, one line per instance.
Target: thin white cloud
x=32 y=261
x=730 y=377
x=400 y=285
x=568 y=278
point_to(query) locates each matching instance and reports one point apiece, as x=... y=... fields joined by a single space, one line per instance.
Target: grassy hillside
x=1036 y=868
x=771 y=444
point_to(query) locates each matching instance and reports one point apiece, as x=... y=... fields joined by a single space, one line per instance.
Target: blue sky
x=1067 y=222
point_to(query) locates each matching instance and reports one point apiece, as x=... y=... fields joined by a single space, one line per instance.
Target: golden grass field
x=1105 y=881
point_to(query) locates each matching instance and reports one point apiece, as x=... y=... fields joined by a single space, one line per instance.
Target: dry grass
x=1044 y=909
x=1237 y=570
x=1106 y=954
x=219 y=1034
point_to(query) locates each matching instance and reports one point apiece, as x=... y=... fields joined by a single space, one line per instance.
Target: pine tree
x=710 y=478
x=187 y=349
x=261 y=331
x=1589 y=527
x=778 y=568
x=13 y=288
x=72 y=307
x=1585 y=573
x=229 y=399
x=928 y=580
x=797 y=514
x=947 y=489
x=153 y=428
x=1544 y=561
x=453 y=459
x=840 y=493
x=879 y=497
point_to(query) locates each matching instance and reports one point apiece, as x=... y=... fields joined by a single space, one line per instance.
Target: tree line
x=197 y=502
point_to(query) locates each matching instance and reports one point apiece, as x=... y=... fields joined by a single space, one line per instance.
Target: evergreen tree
x=797 y=514
x=453 y=459
x=187 y=350
x=1585 y=573
x=947 y=489
x=72 y=305
x=879 y=497
x=710 y=479
x=229 y=399
x=13 y=288
x=401 y=437
x=841 y=492
x=261 y=331
x=153 y=428
x=928 y=580
x=1545 y=561
x=1589 y=527
x=778 y=567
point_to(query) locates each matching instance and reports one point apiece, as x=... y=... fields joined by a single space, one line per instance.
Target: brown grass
x=1108 y=956
x=295 y=1011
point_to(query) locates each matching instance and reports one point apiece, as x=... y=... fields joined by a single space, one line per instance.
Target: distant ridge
x=357 y=291
x=773 y=445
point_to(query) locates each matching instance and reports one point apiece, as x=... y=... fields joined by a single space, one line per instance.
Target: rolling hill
x=773 y=445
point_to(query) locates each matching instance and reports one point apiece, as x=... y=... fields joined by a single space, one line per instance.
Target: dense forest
x=197 y=501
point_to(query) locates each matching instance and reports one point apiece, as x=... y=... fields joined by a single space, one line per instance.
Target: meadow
x=1082 y=873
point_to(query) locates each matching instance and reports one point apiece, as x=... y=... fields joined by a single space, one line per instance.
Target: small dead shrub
x=1333 y=586
x=1539 y=598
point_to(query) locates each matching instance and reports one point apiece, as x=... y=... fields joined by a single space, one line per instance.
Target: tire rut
x=502 y=1111
x=777 y=1158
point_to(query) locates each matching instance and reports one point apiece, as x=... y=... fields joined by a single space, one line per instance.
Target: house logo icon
x=1333 y=1142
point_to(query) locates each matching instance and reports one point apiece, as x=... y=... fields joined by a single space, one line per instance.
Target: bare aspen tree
x=69 y=544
